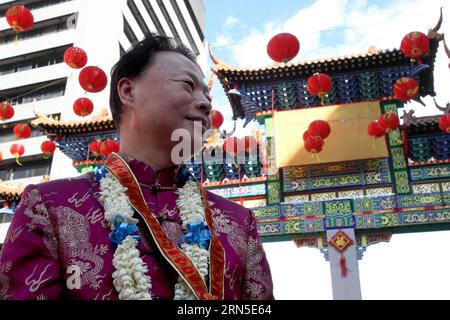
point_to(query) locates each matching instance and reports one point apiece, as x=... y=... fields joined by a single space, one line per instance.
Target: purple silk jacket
x=60 y=224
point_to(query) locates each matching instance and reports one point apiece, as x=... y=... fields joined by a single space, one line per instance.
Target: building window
x=185 y=27
x=137 y=15
x=30 y=169
x=154 y=17
x=129 y=32
x=40 y=91
x=167 y=17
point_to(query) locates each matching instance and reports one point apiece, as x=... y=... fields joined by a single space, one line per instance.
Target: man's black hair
x=136 y=60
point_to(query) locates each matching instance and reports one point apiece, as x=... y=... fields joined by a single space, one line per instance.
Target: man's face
x=170 y=95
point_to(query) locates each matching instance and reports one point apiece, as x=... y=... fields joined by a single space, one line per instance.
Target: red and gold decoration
x=83 y=107
x=75 y=57
x=17 y=150
x=93 y=79
x=389 y=122
x=444 y=123
x=6 y=111
x=415 y=45
x=406 y=89
x=22 y=131
x=283 y=47
x=48 y=148
x=108 y=146
x=313 y=144
x=19 y=18
x=374 y=130
x=319 y=84
x=341 y=242
x=216 y=119
x=94 y=147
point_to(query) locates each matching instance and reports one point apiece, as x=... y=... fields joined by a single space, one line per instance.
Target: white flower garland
x=130 y=279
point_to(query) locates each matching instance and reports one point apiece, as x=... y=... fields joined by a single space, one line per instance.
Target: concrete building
x=34 y=77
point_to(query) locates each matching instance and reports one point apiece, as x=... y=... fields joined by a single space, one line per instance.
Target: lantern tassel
x=343 y=265
x=16 y=39
x=17 y=160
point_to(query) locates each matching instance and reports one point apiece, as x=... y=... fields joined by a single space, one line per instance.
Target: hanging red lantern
x=93 y=79
x=48 y=148
x=83 y=107
x=415 y=45
x=444 y=123
x=283 y=47
x=17 y=150
x=75 y=57
x=319 y=128
x=406 y=89
x=374 y=130
x=6 y=111
x=19 y=18
x=389 y=122
x=95 y=147
x=319 y=84
x=1 y=156
x=22 y=131
x=108 y=146
x=314 y=144
x=216 y=119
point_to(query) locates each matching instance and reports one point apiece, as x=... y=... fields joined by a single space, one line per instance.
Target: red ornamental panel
x=6 y=111
x=75 y=57
x=20 y=18
x=93 y=79
x=415 y=45
x=22 y=131
x=283 y=47
x=406 y=89
x=83 y=107
x=319 y=84
x=216 y=119
x=319 y=128
x=95 y=147
x=389 y=122
x=374 y=130
x=48 y=148
x=444 y=123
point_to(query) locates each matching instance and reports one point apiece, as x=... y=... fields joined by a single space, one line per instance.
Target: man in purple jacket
x=137 y=229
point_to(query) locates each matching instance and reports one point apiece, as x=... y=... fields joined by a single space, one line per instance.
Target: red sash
x=171 y=252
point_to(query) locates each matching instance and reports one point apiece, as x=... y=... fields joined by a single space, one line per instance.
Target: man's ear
x=125 y=89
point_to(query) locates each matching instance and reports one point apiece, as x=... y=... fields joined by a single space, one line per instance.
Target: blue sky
x=239 y=31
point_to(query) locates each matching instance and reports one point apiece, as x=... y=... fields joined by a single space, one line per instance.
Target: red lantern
x=1 y=156
x=306 y=135
x=389 y=122
x=108 y=146
x=75 y=58
x=415 y=45
x=374 y=130
x=319 y=84
x=95 y=147
x=17 y=150
x=83 y=107
x=22 y=131
x=48 y=148
x=444 y=123
x=6 y=111
x=406 y=89
x=216 y=119
x=319 y=128
x=20 y=18
x=283 y=47
x=314 y=144
x=93 y=79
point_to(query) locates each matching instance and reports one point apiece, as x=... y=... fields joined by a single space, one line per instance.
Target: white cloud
x=222 y=41
x=230 y=21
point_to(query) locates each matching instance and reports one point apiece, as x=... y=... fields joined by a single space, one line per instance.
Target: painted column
x=344 y=278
